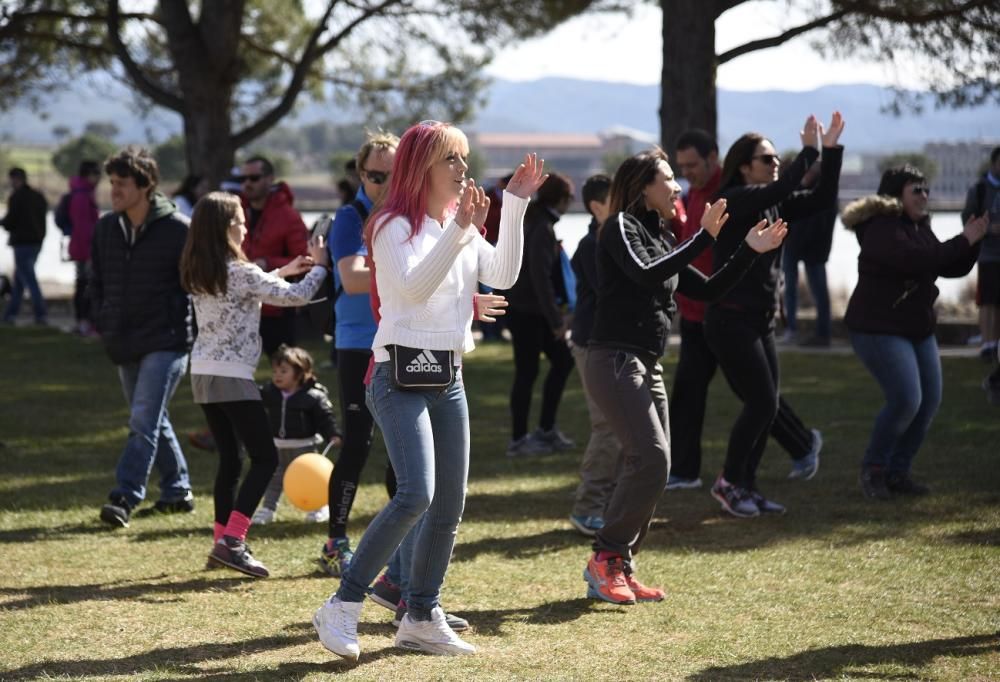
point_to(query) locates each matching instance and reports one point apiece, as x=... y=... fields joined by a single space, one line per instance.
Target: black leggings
x=231 y=424
x=695 y=369
x=352 y=365
x=531 y=335
x=81 y=292
x=744 y=346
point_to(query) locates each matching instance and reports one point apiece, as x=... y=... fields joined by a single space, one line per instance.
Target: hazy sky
x=618 y=48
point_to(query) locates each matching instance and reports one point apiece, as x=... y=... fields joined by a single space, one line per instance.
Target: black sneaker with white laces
x=873 y=483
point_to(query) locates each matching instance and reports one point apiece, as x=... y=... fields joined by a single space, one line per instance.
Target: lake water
x=56 y=276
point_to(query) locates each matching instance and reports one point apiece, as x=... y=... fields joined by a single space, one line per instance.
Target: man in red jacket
x=275 y=235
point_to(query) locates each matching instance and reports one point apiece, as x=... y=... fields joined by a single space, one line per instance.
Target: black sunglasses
x=767 y=158
x=251 y=178
x=377 y=177
x=921 y=189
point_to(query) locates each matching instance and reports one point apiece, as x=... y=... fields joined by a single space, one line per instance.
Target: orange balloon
x=307 y=481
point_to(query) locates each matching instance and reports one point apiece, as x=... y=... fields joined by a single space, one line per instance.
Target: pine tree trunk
x=687 y=83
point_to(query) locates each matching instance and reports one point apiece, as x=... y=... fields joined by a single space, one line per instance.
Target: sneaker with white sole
x=734 y=499
x=386 y=593
x=431 y=636
x=554 y=438
x=456 y=623
x=587 y=525
x=764 y=505
x=336 y=623
x=319 y=516
x=681 y=483
x=528 y=446
x=804 y=469
x=264 y=516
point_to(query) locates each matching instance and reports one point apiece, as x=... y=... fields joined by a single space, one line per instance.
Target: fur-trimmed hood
x=866 y=208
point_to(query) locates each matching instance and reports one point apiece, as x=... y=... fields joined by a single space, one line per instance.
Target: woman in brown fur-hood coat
x=891 y=319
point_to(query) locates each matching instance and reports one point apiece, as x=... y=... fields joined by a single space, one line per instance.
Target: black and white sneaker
x=454 y=622
x=764 y=505
x=234 y=553
x=116 y=513
x=873 y=484
x=386 y=594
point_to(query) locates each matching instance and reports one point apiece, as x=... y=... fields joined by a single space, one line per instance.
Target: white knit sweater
x=426 y=284
x=228 y=342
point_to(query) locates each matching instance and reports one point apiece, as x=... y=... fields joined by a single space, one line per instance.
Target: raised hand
x=317 y=251
x=482 y=208
x=528 y=177
x=714 y=217
x=976 y=228
x=832 y=134
x=810 y=133
x=471 y=204
x=488 y=307
x=763 y=237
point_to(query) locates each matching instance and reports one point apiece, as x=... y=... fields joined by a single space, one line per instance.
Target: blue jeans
x=148 y=385
x=24 y=278
x=427 y=436
x=909 y=373
x=816 y=278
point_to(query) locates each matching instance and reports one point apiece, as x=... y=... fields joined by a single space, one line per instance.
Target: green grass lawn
x=840 y=588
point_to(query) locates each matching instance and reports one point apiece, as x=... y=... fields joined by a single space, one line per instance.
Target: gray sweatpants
x=630 y=392
x=274 y=488
x=603 y=456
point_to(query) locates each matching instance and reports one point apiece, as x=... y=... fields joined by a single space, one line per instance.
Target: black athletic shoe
x=185 y=505
x=873 y=484
x=116 y=513
x=902 y=484
x=234 y=553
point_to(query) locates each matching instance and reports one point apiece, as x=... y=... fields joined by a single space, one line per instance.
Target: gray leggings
x=631 y=393
x=285 y=457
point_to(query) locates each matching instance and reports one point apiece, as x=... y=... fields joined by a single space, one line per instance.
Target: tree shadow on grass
x=519 y=546
x=491 y=622
x=848 y=659
x=147 y=589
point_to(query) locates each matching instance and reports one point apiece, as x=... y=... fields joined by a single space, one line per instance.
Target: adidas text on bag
x=419 y=369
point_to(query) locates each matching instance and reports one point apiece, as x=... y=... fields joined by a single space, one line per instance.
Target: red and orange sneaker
x=606 y=580
x=642 y=592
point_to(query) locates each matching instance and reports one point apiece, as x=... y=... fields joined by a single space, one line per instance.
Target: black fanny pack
x=418 y=369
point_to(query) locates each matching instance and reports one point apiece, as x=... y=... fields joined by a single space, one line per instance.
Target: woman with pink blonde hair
x=429 y=256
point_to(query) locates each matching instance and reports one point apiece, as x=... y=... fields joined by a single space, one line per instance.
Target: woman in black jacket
x=739 y=327
x=891 y=319
x=639 y=268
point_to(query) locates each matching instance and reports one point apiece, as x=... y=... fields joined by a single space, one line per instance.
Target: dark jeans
x=24 y=278
x=231 y=424
x=816 y=278
x=359 y=425
x=744 y=346
x=81 y=295
x=909 y=374
x=695 y=368
x=275 y=331
x=531 y=335
x=630 y=392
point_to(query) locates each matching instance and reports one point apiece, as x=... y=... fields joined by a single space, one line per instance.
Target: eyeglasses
x=921 y=189
x=248 y=178
x=768 y=159
x=377 y=177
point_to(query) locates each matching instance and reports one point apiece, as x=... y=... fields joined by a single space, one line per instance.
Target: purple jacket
x=83 y=215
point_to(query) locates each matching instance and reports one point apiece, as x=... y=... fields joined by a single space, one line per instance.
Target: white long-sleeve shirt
x=426 y=284
x=228 y=342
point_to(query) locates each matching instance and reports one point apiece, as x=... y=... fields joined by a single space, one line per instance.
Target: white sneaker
x=336 y=623
x=263 y=516
x=319 y=516
x=431 y=636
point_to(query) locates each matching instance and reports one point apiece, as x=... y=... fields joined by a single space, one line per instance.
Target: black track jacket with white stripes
x=638 y=270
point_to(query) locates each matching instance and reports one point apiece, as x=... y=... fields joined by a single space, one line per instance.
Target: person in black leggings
x=739 y=327
x=537 y=326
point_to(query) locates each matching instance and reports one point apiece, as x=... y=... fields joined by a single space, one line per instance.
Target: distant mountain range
x=564 y=105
